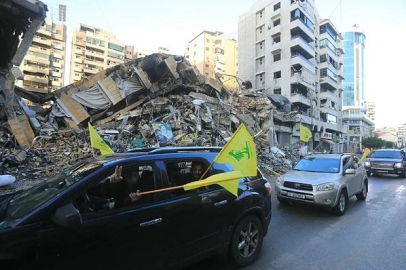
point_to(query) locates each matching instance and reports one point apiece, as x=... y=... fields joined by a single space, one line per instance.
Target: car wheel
x=341 y=206
x=364 y=192
x=368 y=174
x=246 y=241
x=282 y=201
x=403 y=174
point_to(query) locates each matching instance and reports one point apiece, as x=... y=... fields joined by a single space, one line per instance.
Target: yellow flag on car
x=228 y=180
x=240 y=152
x=367 y=151
x=305 y=133
x=97 y=142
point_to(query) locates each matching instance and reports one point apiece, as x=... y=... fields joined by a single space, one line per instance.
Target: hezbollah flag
x=305 y=133
x=228 y=180
x=97 y=142
x=367 y=151
x=240 y=152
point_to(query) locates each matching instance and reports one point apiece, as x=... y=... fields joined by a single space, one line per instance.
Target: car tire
x=368 y=174
x=403 y=174
x=282 y=201
x=364 y=192
x=249 y=229
x=341 y=206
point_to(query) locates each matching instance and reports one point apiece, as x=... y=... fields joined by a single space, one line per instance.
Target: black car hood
x=391 y=160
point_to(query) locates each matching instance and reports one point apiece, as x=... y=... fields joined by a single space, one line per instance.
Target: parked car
x=321 y=180
x=386 y=161
x=65 y=222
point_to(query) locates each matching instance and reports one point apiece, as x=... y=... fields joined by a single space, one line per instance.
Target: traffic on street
x=371 y=234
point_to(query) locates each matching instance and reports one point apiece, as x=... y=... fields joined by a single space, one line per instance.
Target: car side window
x=182 y=172
x=118 y=189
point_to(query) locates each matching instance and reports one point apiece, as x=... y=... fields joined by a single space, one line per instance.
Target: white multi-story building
x=285 y=49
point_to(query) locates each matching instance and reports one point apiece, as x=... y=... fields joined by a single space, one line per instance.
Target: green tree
x=389 y=144
x=373 y=142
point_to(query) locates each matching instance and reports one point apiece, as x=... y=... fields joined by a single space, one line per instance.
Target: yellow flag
x=97 y=142
x=240 y=152
x=305 y=133
x=367 y=151
x=228 y=180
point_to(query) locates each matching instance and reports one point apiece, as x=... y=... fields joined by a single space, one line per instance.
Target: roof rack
x=142 y=150
x=167 y=150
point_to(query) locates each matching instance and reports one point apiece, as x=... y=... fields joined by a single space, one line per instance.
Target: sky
x=173 y=23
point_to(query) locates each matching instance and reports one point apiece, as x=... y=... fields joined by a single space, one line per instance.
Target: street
x=370 y=235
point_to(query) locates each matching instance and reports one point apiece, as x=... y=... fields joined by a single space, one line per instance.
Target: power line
x=339 y=3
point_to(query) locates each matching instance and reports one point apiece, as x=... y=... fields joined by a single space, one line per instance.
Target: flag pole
x=160 y=190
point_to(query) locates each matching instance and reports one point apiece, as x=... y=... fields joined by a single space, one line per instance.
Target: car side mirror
x=68 y=217
x=350 y=171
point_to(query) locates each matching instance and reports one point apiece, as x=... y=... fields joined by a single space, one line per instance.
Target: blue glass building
x=353 y=68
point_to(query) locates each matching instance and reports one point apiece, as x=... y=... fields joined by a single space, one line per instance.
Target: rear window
x=386 y=154
x=319 y=164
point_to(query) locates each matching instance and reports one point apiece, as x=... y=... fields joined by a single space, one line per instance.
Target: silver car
x=321 y=180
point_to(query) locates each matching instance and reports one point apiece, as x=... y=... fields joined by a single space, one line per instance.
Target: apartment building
x=44 y=64
x=129 y=53
x=215 y=56
x=401 y=133
x=285 y=49
x=358 y=114
x=94 y=50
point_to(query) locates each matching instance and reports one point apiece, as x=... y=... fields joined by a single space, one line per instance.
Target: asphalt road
x=371 y=234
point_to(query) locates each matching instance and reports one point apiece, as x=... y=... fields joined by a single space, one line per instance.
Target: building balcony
x=298 y=98
x=328 y=83
x=78 y=69
x=94 y=54
x=44 y=41
x=301 y=80
x=327 y=64
x=40 y=49
x=56 y=74
x=56 y=83
x=57 y=55
x=91 y=70
x=36 y=69
x=329 y=110
x=299 y=60
x=275 y=30
x=98 y=48
x=276 y=47
x=36 y=79
x=98 y=64
x=44 y=32
x=58 y=47
x=39 y=60
x=298 y=27
x=328 y=95
x=300 y=45
x=55 y=64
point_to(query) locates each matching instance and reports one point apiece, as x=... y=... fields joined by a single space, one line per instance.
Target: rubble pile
x=125 y=104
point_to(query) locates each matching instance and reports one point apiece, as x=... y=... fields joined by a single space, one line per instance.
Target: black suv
x=386 y=161
x=65 y=223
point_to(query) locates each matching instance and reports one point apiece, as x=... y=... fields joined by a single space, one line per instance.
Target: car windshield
x=318 y=164
x=386 y=154
x=26 y=201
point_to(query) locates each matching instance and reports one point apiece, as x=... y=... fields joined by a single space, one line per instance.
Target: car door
x=197 y=221
x=125 y=238
x=350 y=179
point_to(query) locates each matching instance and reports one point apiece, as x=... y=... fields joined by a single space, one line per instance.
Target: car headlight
x=279 y=180
x=398 y=165
x=325 y=187
x=367 y=164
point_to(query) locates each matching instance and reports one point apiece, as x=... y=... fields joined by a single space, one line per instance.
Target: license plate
x=295 y=195
x=382 y=171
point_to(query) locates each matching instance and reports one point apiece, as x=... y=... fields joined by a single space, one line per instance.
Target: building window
x=260 y=45
x=277 y=75
x=277 y=39
x=277 y=6
x=323 y=58
x=260 y=30
x=260 y=14
x=276 y=22
x=260 y=60
x=261 y=77
x=277 y=91
x=207 y=40
x=276 y=57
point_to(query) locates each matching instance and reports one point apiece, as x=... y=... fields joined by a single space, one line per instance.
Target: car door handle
x=220 y=203
x=151 y=222
x=206 y=200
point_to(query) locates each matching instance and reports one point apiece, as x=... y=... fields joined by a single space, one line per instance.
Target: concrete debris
x=155 y=101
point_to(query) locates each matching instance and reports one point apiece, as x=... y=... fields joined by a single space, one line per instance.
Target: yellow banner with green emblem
x=97 y=142
x=305 y=133
x=240 y=152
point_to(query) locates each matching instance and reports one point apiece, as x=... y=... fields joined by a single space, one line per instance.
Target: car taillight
x=268 y=188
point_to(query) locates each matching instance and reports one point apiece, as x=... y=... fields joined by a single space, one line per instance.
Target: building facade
x=94 y=50
x=358 y=114
x=215 y=56
x=44 y=64
x=285 y=49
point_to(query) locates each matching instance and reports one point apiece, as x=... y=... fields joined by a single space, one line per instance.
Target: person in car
x=122 y=187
